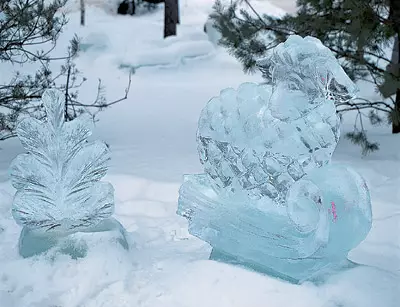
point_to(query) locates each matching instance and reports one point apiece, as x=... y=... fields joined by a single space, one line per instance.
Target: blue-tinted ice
x=270 y=198
x=59 y=192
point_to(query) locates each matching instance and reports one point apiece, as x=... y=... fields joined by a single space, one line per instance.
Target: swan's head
x=305 y=64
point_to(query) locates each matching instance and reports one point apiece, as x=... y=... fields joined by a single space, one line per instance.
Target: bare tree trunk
x=394 y=17
x=170 y=17
x=178 y=18
x=396 y=117
x=82 y=12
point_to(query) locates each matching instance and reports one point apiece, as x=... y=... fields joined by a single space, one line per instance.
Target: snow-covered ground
x=152 y=138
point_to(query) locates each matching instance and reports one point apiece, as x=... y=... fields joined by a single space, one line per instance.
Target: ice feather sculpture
x=270 y=199
x=58 y=185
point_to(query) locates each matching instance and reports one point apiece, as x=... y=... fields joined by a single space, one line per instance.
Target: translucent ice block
x=269 y=198
x=58 y=185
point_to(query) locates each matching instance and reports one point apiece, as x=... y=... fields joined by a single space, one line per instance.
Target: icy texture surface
x=59 y=191
x=269 y=198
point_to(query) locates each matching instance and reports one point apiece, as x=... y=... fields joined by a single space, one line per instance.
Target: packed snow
x=152 y=141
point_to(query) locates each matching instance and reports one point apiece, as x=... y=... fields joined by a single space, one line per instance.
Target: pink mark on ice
x=333 y=211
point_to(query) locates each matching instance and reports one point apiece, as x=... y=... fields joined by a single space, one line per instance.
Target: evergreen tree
x=29 y=30
x=358 y=32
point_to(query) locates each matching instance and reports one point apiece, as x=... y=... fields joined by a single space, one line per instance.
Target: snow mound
x=175 y=52
x=96 y=42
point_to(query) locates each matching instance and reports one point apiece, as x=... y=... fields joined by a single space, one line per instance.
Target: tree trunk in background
x=391 y=80
x=395 y=118
x=178 y=18
x=394 y=17
x=170 y=17
x=82 y=12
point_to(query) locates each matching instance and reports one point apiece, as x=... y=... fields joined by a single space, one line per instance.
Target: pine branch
x=35 y=24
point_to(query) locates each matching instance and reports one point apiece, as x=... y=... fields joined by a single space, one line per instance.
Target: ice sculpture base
x=244 y=234
x=294 y=271
x=33 y=243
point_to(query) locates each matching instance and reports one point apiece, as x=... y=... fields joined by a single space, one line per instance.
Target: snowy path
x=152 y=137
